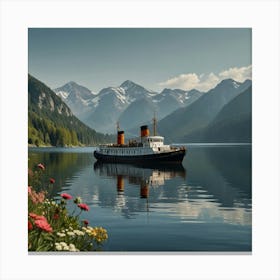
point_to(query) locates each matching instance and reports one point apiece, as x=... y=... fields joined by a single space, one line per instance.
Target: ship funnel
x=144 y=131
x=120 y=137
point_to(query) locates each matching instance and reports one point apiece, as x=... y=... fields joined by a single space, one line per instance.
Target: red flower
x=83 y=206
x=66 y=196
x=30 y=227
x=41 y=166
x=56 y=216
x=52 y=180
x=33 y=215
x=85 y=222
x=37 y=217
x=44 y=225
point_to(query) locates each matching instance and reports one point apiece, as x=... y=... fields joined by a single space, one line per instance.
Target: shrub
x=52 y=228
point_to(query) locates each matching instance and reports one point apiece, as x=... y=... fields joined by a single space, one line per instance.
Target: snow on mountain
x=62 y=94
x=103 y=109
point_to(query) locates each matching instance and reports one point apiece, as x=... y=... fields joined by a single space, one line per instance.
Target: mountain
x=234 y=121
x=193 y=118
x=138 y=113
x=101 y=111
x=77 y=97
x=110 y=103
x=51 y=121
x=113 y=104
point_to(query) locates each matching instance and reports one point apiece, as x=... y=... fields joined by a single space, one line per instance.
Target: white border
x=262 y=16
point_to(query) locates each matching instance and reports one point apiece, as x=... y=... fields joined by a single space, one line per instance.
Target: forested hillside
x=51 y=122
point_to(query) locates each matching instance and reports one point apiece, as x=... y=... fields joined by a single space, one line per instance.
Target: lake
x=203 y=205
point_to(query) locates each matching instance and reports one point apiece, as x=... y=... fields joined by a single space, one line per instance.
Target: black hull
x=171 y=157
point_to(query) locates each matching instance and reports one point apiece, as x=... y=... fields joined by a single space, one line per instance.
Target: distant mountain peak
x=128 y=84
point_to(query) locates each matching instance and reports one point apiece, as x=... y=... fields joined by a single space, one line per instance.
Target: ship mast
x=154 y=124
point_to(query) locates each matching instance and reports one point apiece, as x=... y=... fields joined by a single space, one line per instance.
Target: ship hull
x=173 y=156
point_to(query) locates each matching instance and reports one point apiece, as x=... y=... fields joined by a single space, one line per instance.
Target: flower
x=85 y=222
x=83 y=206
x=30 y=227
x=58 y=247
x=98 y=233
x=78 y=200
x=41 y=166
x=36 y=197
x=52 y=180
x=37 y=217
x=78 y=232
x=44 y=225
x=55 y=216
x=72 y=248
x=66 y=196
x=33 y=215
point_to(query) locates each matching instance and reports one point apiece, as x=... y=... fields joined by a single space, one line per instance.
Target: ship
x=142 y=149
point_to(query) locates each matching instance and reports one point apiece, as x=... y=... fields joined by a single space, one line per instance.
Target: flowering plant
x=52 y=228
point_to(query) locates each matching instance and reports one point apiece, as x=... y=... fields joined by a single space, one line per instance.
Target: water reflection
x=206 y=195
x=142 y=175
x=146 y=177
x=223 y=172
x=62 y=164
x=203 y=204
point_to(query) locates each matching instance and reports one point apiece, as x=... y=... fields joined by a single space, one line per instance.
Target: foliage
x=51 y=122
x=52 y=228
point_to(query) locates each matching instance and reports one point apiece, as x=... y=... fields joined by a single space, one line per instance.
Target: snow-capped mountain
x=77 y=97
x=125 y=103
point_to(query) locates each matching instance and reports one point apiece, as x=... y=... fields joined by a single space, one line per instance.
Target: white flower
x=70 y=233
x=63 y=244
x=58 y=247
x=66 y=248
x=78 y=232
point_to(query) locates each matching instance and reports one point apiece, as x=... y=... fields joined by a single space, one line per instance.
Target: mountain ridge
x=200 y=113
x=95 y=111
x=51 y=121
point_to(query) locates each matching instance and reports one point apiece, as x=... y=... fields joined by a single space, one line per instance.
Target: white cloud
x=205 y=82
x=237 y=74
x=183 y=81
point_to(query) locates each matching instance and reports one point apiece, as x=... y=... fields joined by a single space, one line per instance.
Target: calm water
x=202 y=205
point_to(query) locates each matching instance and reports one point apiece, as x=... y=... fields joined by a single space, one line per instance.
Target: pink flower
x=33 y=215
x=44 y=225
x=66 y=196
x=36 y=197
x=52 y=180
x=83 y=206
x=41 y=166
x=37 y=217
x=29 y=189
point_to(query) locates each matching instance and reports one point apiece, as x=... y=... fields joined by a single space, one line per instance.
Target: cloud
x=237 y=74
x=183 y=81
x=205 y=82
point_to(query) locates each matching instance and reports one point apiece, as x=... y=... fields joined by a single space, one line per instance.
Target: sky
x=155 y=58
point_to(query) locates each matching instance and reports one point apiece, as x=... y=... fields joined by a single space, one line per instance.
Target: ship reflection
x=144 y=175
